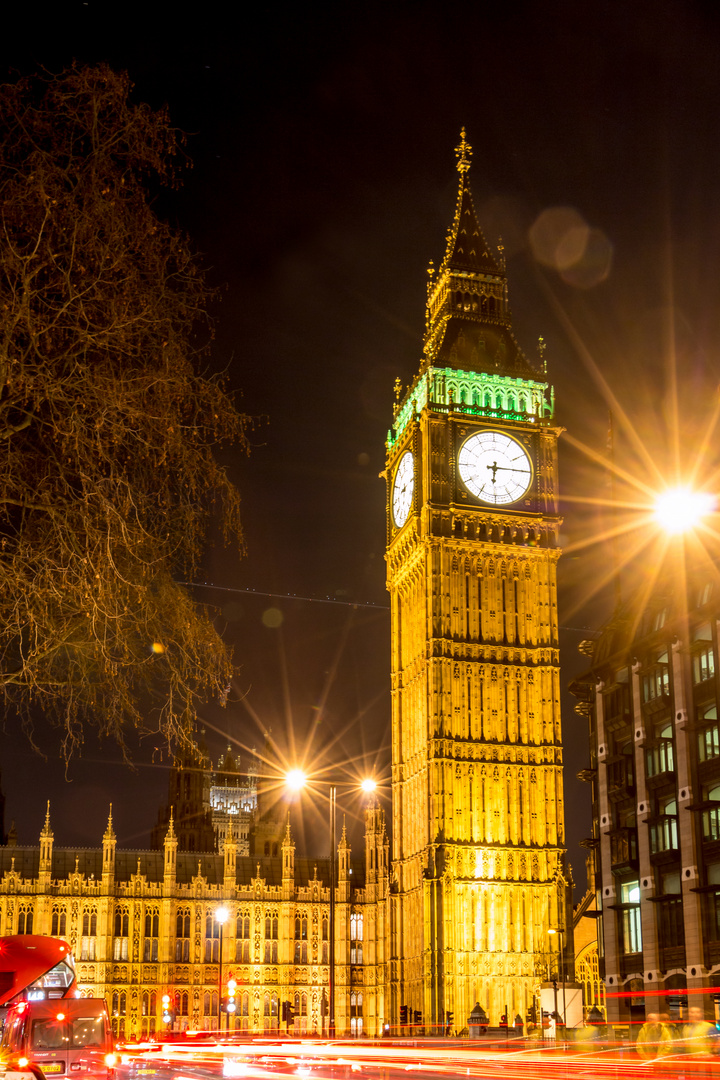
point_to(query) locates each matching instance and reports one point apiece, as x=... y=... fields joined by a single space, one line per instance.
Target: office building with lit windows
x=650 y=697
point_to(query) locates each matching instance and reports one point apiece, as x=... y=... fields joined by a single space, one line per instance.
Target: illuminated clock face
x=403 y=490
x=495 y=468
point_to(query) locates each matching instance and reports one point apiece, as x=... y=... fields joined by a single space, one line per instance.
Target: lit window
x=709 y=734
x=632 y=933
x=656 y=679
x=704 y=664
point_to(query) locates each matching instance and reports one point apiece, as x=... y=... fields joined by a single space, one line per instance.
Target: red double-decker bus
x=34 y=968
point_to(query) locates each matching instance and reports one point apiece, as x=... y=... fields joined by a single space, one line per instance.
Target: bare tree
x=108 y=426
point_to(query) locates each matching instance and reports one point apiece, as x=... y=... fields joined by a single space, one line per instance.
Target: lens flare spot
x=680 y=509
x=594 y=266
x=558 y=237
x=158 y=648
x=572 y=246
x=561 y=238
x=272 y=617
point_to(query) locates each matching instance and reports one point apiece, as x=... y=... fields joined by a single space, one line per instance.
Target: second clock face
x=494 y=468
x=403 y=489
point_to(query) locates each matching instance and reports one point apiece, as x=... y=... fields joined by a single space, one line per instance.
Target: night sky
x=323 y=183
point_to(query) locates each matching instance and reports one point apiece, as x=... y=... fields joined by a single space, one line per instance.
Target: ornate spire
x=170 y=850
x=47 y=832
x=468 y=324
x=464 y=154
x=46 y=844
x=467 y=249
x=287 y=838
x=109 y=836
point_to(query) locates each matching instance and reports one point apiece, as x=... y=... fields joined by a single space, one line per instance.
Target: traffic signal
x=168 y=1013
x=503 y=1020
x=288 y=1013
x=231 y=1003
x=403 y=1015
x=449 y=1017
x=417 y=1017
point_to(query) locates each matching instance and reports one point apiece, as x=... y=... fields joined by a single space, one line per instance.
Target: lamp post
x=296 y=780
x=331 y=926
x=561 y=933
x=678 y=510
x=221 y=917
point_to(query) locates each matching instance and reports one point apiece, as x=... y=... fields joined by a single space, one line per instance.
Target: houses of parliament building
x=142 y=924
x=470 y=902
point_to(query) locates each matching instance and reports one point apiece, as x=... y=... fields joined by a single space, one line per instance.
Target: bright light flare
x=295 y=779
x=222 y=915
x=680 y=509
x=368 y=785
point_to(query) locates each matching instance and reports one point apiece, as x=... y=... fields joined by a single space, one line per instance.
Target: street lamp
x=553 y=932
x=296 y=780
x=678 y=510
x=221 y=917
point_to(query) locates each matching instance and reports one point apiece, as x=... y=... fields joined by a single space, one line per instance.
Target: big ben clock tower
x=472 y=524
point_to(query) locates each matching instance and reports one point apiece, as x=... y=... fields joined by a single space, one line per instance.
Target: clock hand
x=507 y=468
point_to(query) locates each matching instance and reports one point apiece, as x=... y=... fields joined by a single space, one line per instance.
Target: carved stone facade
x=142 y=924
x=205 y=802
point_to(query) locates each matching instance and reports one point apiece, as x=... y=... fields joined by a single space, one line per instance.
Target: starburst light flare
x=679 y=510
x=296 y=779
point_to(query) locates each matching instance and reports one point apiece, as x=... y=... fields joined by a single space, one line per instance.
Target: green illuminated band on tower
x=475 y=394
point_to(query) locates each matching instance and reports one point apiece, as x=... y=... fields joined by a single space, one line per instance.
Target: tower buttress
x=229 y=861
x=170 y=848
x=46 y=848
x=108 y=857
x=370 y=845
x=288 y=864
x=344 y=867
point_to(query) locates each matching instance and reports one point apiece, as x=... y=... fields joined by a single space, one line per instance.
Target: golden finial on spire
x=464 y=154
x=541 y=352
x=47 y=831
x=109 y=832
